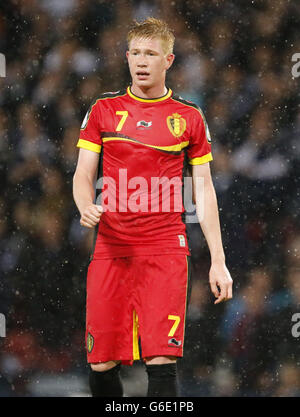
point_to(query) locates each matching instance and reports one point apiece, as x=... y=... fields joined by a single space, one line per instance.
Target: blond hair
x=153 y=28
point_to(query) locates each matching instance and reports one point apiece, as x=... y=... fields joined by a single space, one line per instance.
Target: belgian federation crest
x=176 y=124
x=89 y=342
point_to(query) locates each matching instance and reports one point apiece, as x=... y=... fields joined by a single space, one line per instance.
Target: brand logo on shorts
x=174 y=342
x=89 y=342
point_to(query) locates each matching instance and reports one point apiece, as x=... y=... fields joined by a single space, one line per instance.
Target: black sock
x=162 y=380
x=106 y=383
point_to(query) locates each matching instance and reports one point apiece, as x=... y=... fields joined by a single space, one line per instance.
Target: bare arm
x=83 y=188
x=207 y=212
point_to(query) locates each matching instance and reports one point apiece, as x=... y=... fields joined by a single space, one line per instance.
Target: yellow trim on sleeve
x=90 y=146
x=201 y=160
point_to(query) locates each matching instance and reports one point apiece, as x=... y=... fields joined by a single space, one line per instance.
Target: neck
x=149 y=92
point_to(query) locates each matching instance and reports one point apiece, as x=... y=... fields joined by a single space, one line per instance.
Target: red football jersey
x=143 y=146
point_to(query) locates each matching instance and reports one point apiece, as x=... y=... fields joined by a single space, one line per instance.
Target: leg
x=161 y=310
x=109 y=325
x=104 y=366
x=160 y=360
x=162 y=376
x=105 y=379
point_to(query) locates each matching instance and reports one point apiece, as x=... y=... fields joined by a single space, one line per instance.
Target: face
x=147 y=62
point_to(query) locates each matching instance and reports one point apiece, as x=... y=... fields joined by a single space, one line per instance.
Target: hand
x=220 y=282
x=91 y=216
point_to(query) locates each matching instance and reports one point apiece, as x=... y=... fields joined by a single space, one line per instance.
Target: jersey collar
x=149 y=100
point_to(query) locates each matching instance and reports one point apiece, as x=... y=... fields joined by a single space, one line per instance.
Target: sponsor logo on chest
x=142 y=124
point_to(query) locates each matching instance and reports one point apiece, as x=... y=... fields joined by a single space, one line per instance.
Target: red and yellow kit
x=142 y=141
x=138 y=276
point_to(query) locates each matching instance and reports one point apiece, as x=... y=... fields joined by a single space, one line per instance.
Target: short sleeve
x=199 y=149
x=90 y=133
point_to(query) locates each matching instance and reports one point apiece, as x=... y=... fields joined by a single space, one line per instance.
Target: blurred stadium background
x=234 y=59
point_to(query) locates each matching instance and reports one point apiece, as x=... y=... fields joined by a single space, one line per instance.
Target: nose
x=142 y=62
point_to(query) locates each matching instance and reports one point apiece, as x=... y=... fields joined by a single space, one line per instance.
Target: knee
x=103 y=366
x=160 y=360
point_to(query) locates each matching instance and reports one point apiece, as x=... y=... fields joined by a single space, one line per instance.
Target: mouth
x=142 y=75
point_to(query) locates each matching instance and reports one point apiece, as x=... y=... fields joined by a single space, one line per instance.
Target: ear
x=127 y=54
x=170 y=59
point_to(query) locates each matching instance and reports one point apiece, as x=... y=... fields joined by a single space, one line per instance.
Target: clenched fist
x=91 y=216
x=220 y=282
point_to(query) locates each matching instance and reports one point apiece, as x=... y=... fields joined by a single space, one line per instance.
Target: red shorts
x=136 y=299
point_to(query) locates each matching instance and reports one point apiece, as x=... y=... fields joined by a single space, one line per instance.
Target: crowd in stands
x=233 y=59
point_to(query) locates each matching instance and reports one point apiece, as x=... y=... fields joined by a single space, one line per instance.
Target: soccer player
x=138 y=141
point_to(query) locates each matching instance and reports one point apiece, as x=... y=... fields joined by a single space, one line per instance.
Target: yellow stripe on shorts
x=136 y=352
